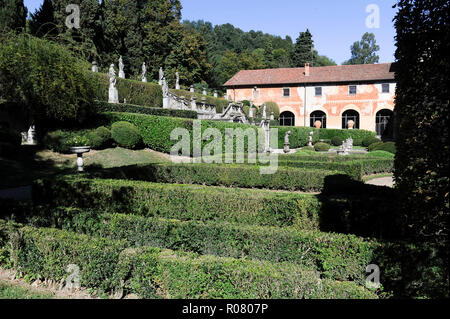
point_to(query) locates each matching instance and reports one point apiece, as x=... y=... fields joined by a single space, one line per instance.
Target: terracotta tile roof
x=340 y=73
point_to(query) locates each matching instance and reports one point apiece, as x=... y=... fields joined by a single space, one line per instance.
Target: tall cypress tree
x=13 y=14
x=42 y=22
x=303 y=50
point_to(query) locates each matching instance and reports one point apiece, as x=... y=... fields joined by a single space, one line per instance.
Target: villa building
x=340 y=97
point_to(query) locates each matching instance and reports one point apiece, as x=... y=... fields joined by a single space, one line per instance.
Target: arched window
x=287 y=119
x=318 y=116
x=350 y=115
x=384 y=123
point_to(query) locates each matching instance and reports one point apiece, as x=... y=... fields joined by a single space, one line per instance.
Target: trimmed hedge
x=102 y=106
x=46 y=253
x=183 y=202
x=155 y=273
x=243 y=176
x=135 y=92
x=126 y=134
x=156 y=130
x=300 y=135
x=100 y=138
x=370 y=140
x=336 y=256
x=322 y=147
x=387 y=147
x=356 y=169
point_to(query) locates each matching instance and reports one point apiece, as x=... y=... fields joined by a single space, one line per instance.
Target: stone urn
x=350 y=125
x=80 y=150
x=318 y=124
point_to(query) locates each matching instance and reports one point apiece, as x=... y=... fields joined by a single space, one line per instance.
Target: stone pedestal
x=80 y=151
x=144 y=79
x=177 y=87
x=166 y=102
x=121 y=74
x=113 y=95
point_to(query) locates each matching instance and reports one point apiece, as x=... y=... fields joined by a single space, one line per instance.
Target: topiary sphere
x=322 y=147
x=370 y=140
x=126 y=135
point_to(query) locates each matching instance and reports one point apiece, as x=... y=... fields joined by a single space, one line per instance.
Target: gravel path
x=383 y=181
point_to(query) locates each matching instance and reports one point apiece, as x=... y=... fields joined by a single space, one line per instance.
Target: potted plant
x=80 y=146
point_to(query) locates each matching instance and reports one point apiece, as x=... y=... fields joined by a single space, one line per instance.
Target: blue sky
x=335 y=24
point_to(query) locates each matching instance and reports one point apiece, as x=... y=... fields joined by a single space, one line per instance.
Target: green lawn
x=17 y=173
x=8 y=291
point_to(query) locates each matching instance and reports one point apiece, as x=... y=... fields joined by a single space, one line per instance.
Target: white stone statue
x=161 y=76
x=94 y=67
x=264 y=116
x=144 y=72
x=113 y=92
x=112 y=76
x=310 y=139
x=121 y=66
x=177 y=84
x=165 y=88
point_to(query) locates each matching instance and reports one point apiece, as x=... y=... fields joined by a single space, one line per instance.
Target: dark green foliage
x=102 y=106
x=381 y=154
x=372 y=147
x=47 y=253
x=42 y=22
x=335 y=256
x=337 y=141
x=45 y=78
x=422 y=107
x=154 y=273
x=387 y=147
x=322 y=147
x=357 y=135
x=303 y=50
x=10 y=136
x=245 y=176
x=364 y=51
x=356 y=168
x=100 y=138
x=370 y=140
x=126 y=134
x=135 y=92
x=61 y=141
x=271 y=107
x=183 y=202
x=13 y=14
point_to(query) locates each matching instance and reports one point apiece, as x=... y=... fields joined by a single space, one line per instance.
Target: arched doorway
x=287 y=119
x=384 y=123
x=350 y=115
x=318 y=116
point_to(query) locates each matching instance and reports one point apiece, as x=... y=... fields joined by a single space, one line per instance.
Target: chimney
x=306 y=69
